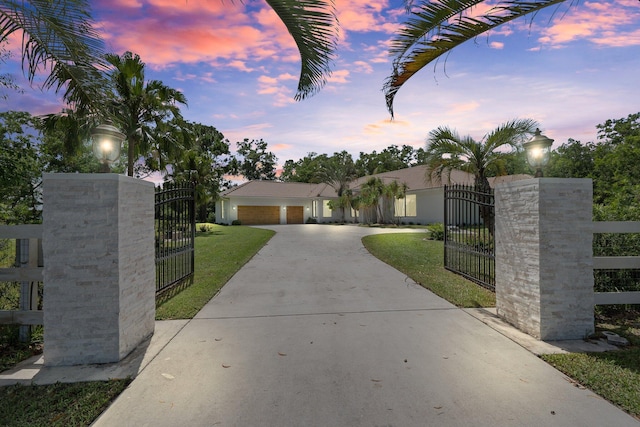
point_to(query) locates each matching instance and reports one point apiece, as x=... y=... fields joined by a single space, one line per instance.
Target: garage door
x=259 y=215
x=295 y=215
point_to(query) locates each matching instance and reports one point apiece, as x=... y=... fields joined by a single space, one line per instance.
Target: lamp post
x=106 y=142
x=538 y=152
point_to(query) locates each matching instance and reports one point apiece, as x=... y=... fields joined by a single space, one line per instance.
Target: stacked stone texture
x=99 y=267
x=544 y=269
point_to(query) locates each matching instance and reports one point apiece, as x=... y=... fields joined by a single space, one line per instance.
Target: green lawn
x=220 y=252
x=613 y=375
x=422 y=260
x=62 y=405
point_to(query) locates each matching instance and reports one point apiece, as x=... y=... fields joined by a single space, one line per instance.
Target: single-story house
x=272 y=202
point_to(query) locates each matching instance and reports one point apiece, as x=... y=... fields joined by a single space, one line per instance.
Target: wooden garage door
x=259 y=215
x=295 y=215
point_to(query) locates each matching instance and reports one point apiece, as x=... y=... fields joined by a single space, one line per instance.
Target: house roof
x=414 y=177
x=283 y=190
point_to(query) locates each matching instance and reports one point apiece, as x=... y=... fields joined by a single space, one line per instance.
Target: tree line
x=30 y=145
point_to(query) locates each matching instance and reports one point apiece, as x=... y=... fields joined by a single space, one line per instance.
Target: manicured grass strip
x=220 y=253
x=613 y=375
x=61 y=405
x=422 y=260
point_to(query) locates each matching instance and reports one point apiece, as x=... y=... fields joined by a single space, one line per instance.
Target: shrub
x=311 y=220
x=436 y=231
x=236 y=222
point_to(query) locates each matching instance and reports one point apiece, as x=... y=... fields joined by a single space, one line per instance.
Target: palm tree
x=435 y=28
x=58 y=36
x=338 y=171
x=146 y=112
x=392 y=192
x=204 y=165
x=314 y=27
x=447 y=150
x=370 y=193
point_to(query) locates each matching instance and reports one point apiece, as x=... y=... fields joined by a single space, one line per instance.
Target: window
x=406 y=206
x=222 y=209
x=326 y=210
x=314 y=209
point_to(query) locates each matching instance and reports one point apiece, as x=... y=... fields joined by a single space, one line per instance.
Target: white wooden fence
x=29 y=274
x=616 y=262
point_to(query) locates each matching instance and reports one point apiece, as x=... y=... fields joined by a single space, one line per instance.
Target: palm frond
x=59 y=35
x=314 y=27
x=438 y=27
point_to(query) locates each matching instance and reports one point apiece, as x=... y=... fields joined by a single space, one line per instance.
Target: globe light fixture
x=538 y=151
x=106 y=142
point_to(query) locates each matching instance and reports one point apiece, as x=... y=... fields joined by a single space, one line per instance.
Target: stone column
x=99 y=267
x=544 y=267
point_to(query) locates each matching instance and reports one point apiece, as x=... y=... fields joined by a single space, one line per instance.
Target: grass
x=613 y=375
x=59 y=404
x=421 y=260
x=220 y=253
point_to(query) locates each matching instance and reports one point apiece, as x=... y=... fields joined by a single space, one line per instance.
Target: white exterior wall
x=99 y=270
x=429 y=206
x=544 y=262
x=232 y=203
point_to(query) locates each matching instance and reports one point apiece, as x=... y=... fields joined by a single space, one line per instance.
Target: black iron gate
x=468 y=233
x=175 y=227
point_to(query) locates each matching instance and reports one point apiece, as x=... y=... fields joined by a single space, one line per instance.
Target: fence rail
x=28 y=273
x=603 y=263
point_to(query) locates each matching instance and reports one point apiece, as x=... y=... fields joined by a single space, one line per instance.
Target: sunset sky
x=570 y=68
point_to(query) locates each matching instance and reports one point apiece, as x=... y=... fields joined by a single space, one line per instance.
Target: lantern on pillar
x=538 y=151
x=106 y=142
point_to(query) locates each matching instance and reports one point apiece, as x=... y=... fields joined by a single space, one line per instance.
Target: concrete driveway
x=314 y=331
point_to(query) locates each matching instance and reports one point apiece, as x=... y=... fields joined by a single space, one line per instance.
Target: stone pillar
x=99 y=267
x=544 y=267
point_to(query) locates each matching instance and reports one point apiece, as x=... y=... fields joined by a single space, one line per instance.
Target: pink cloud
x=282 y=95
x=464 y=108
x=363 y=15
x=280 y=147
x=240 y=65
x=604 y=23
x=198 y=31
x=613 y=39
x=339 y=76
x=496 y=45
x=267 y=80
x=117 y=4
x=362 y=67
x=287 y=76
